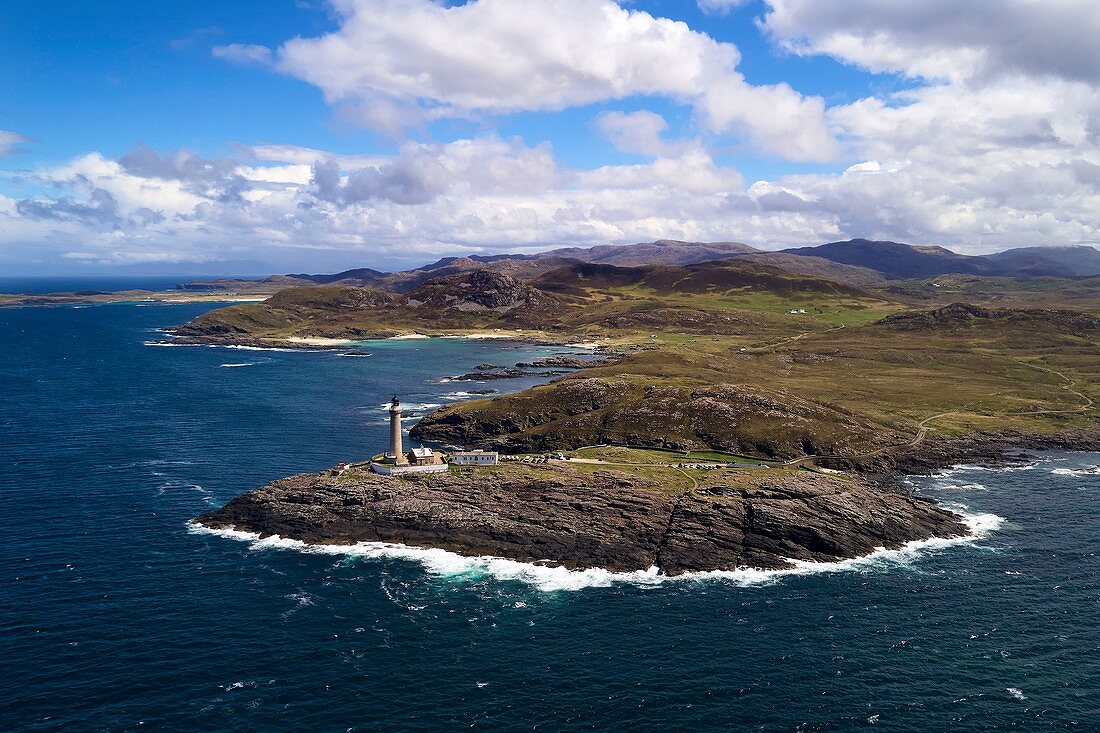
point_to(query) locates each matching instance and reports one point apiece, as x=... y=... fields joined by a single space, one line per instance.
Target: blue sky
x=104 y=76
x=811 y=93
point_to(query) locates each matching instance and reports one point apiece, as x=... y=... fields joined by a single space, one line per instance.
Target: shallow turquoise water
x=113 y=616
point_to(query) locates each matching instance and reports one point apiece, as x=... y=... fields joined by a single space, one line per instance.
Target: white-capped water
x=444 y=563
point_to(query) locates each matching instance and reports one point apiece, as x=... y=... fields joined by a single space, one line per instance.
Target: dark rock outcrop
x=577 y=411
x=960 y=315
x=501 y=373
x=478 y=291
x=984 y=448
x=609 y=519
x=567 y=362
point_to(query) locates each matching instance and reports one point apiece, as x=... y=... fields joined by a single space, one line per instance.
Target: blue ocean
x=116 y=616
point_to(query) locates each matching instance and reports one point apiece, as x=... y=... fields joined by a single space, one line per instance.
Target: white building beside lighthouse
x=396 y=461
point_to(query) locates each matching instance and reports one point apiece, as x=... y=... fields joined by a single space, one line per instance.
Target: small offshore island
x=805 y=384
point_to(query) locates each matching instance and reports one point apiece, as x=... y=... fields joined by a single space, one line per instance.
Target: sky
x=260 y=136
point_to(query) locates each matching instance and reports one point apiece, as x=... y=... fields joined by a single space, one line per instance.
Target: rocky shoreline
x=611 y=519
x=992 y=449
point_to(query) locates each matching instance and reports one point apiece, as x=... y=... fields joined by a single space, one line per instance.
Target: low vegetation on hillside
x=738 y=355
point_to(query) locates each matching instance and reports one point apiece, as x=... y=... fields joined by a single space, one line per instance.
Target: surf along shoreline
x=334 y=534
x=547 y=574
x=882 y=475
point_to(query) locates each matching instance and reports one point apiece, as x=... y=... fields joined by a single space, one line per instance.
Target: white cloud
x=947 y=39
x=719 y=7
x=494 y=195
x=245 y=54
x=9 y=142
x=635 y=132
x=394 y=63
x=995 y=149
x=996 y=142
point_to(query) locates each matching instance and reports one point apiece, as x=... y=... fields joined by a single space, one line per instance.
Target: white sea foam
x=240 y=364
x=448 y=564
x=227 y=346
x=319 y=341
x=460 y=395
x=1086 y=471
x=258 y=348
x=960 y=486
x=175 y=486
x=408 y=336
x=973 y=468
x=1016 y=692
x=413 y=405
x=995 y=469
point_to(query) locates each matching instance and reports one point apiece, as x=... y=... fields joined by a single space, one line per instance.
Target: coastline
x=990 y=449
x=314 y=343
x=445 y=559
x=45 y=300
x=577 y=516
x=551 y=577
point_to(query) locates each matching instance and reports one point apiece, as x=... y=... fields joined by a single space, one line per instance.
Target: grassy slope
x=989 y=375
x=845 y=382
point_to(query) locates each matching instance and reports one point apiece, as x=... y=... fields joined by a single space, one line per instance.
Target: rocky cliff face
x=575 y=412
x=477 y=291
x=610 y=519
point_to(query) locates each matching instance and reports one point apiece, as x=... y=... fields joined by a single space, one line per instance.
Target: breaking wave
x=258 y=348
x=443 y=563
x=1030 y=466
x=413 y=405
x=1084 y=471
x=226 y=346
x=456 y=396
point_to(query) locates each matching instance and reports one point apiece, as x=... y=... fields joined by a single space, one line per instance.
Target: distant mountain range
x=898 y=261
x=856 y=262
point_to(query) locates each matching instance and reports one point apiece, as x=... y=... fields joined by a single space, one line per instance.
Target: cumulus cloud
x=474 y=195
x=422 y=172
x=100 y=207
x=487 y=195
x=635 y=132
x=946 y=39
x=394 y=63
x=994 y=143
x=182 y=165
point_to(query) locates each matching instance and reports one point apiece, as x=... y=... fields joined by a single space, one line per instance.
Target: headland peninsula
x=744 y=411
x=808 y=380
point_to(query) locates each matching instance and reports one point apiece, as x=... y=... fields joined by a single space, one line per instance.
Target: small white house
x=422 y=454
x=475 y=458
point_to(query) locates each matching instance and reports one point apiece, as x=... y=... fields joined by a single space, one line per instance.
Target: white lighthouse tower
x=395 y=461
x=396 y=454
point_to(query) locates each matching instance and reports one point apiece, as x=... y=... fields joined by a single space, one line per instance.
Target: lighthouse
x=395 y=461
x=395 y=452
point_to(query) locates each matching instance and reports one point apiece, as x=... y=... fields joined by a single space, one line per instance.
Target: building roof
x=423 y=452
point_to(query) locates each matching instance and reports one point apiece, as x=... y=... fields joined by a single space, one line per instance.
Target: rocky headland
x=735 y=358
x=613 y=519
